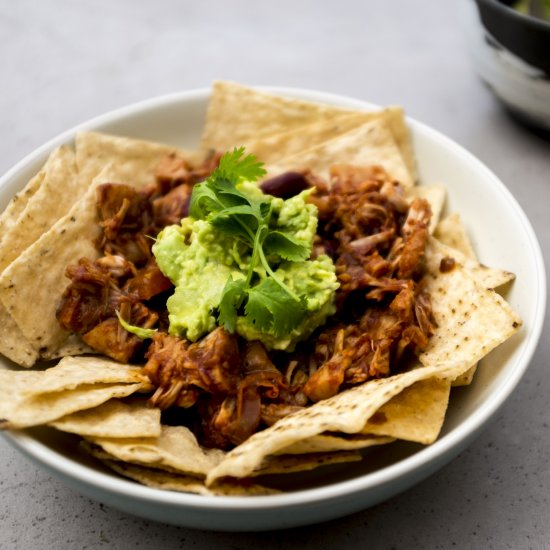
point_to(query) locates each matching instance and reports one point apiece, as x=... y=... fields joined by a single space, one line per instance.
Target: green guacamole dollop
x=199 y=259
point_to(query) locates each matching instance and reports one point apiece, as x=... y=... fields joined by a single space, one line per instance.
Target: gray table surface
x=62 y=62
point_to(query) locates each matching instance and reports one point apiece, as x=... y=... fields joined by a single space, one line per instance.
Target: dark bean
x=285 y=185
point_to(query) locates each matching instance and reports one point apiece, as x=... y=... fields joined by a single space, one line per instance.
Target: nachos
x=282 y=299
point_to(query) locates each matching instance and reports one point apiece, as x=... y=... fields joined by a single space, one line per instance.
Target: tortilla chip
x=270 y=149
x=134 y=159
x=170 y=481
x=12 y=342
x=416 y=414
x=114 y=418
x=325 y=443
x=72 y=372
x=18 y=203
x=395 y=119
x=45 y=207
x=435 y=195
x=33 y=398
x=451 y=232
x=73 y=345
x=346 y=412
x=465 y=379
x=176 y=448
x=292 y=463
x=19 y=226
x=41 y=409
x=238 y=115
x=485 y=276
x=471 y=319
x=370 y=144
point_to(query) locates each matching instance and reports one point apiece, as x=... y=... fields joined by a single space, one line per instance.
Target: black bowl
x=523 y=35
x=511 y=51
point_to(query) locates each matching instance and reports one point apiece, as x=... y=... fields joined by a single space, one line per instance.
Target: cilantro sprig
x=268 y=304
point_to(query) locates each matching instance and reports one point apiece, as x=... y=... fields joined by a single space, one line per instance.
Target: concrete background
x=63 y=62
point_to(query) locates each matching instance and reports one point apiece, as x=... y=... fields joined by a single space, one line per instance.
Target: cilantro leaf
x=219 y=190
x=238 y=221
x=271 y=309
x=233 y=296
x=286 y=246
x=204 y=200
x=234 y=168
x=228 y=193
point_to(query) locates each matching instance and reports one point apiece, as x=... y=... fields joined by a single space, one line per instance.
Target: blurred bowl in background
x=511 y=53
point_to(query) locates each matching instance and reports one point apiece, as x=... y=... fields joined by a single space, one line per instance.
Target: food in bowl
x=536 y=8
x=332 y=319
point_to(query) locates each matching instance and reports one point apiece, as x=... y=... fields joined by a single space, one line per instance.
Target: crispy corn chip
x=114 y=418
x=12 y=342
x=176 y=448
x=236 y=114
x=292 y=463
x=270 y=149
x=45 y=207
x=135 y=160
x=416 y=414
x=471 y=319
x=451 y=232
x=170 y=481
x=239 y=115
x=26 y=411
x=73 y=345
x=484 y=276
x=367 y=145
x=326 y=443
x=18 y=203
x=26 y=217
x=38 y=397
x=72 y=372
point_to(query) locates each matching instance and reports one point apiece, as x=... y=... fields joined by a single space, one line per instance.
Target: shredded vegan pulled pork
x=229 y=388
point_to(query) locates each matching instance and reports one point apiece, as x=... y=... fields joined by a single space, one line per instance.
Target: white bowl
x=502 y=236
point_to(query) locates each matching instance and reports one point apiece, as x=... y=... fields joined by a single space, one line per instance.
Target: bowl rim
x=65 y=467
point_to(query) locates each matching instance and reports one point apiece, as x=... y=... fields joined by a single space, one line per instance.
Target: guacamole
x=199 y=259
